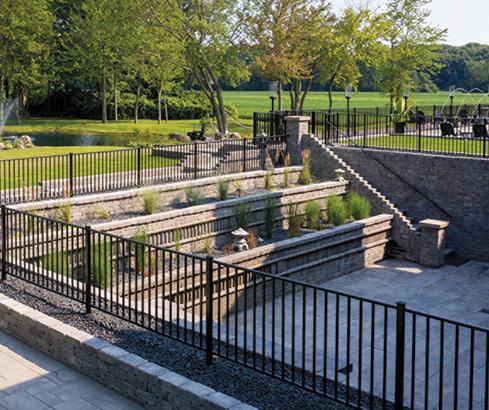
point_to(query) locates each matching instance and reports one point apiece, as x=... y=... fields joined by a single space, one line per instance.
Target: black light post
x=348 y=95
x=452 y=94
x=272 y=88
x=406 y=98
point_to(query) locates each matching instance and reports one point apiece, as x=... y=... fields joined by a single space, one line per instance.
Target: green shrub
x=306 y=173
x=207 y=244
x=223 y=189
x=268 y=181
x=194 y=197
x=313 y=214
x=337 y=212
x=358 y=207
x=270 y=211
x=65 y=212
x=98 y=211
x=141 y=251
x=295 y=220
x=178 y=239
x=150 y=201
x=238 y=186
x=242 y=215
x=286 y=171
x=100 y=264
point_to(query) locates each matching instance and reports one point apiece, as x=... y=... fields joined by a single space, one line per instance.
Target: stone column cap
x=297 y=118
x=434 y=224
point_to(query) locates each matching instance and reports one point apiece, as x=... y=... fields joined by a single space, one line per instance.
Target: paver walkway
x=317 y=324
x=31 y=380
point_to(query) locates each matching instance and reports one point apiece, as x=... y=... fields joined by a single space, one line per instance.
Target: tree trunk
x=1 y=98
x=104 y=98
x=304 y=94
x=291 y=95
x=280 y=95
x=17 y=105
x=116 y=100
x=136 y=107
x=166 y=109
x=330 y=96
x=222 y=109
x=160 y=92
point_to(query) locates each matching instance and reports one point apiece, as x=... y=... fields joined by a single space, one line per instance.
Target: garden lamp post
x=272 y=88
x=348 y=95
x=407 y=91
x=452 y=89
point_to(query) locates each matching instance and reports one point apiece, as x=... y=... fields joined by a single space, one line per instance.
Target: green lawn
x=125 y=127
x=19 y=174
x=248 y=102
x=428 y=144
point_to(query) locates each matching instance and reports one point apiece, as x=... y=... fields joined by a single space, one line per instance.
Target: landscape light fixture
x=406 y=93
x=451 y=89
x=348 y=95
x=272 y=91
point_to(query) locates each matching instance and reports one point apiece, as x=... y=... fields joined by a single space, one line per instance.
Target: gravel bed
x=233 y=379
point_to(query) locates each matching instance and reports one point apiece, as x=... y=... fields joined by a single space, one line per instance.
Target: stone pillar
x=296 y=126
x=432 y=246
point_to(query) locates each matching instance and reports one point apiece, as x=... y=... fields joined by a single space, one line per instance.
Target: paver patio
x=457 y=293
x=32 y=380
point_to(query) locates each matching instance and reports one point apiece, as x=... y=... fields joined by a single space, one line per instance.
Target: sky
x=466 y=20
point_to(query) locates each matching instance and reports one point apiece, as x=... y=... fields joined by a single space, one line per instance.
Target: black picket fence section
x=414 y=132
x=360 y=352
x=59 y=176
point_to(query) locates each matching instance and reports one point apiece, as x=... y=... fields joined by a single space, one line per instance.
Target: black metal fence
x=461 y=135
x=58 y=176
x=361 y=352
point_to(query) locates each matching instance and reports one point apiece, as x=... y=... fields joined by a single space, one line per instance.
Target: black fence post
x=364 y=130
x=4 y=243
x=484 y=147
x=139 y=165
x=419 y=133
x=208 y=310
x=88 y=273
x=255 y=124
x=195 y=159
x=71 y=175
x=400 y=347
x=313 y=122
x=244 y=154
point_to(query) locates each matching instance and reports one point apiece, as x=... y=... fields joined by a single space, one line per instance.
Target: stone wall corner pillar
x=295 y=127
x=432 y=246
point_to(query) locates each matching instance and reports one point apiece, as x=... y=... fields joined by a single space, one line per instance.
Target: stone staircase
x=325 y=161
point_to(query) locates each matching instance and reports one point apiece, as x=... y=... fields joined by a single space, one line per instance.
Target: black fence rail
x=415 y=132
x=360 y=352
x=58 y=176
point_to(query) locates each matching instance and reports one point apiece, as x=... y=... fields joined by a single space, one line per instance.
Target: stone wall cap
x=297 y=118
x=434 y=223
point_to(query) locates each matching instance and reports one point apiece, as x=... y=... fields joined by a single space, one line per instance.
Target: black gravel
x=235 y=380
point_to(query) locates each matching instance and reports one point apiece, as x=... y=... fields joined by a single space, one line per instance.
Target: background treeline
x=170 y=59
x=465 y=66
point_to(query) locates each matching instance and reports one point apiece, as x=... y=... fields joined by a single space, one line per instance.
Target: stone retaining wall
x=148 y=384
x=458 y=184
x=121 y=202
x=215 y=222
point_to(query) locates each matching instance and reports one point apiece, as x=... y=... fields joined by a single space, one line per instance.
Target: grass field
x=126 y=127
x=248 y=102
x=19 y=174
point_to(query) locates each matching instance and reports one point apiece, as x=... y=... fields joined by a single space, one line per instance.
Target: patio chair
x=480 y=131
x=448 y=130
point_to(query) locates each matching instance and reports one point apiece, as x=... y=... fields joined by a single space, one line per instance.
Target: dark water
x=60 y=139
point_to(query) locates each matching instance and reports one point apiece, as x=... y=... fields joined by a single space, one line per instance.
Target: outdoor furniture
x=196 y=135
x=447 y=129
x=480 y=131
